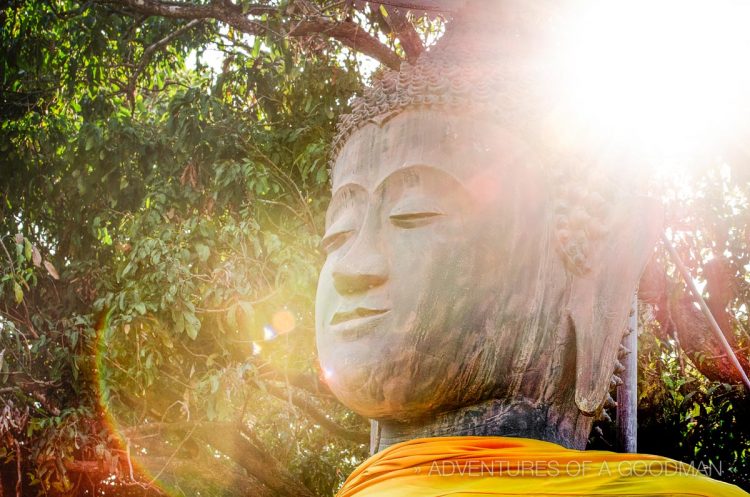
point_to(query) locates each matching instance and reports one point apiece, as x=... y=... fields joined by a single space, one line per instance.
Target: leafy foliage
x=682 y=413
x=158 y=238
x=181 y=209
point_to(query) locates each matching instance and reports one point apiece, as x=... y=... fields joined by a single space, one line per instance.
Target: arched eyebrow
x=346 y=188
x=342 y=194
x=420 y=168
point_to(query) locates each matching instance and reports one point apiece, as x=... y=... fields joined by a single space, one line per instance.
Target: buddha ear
x=606 y=259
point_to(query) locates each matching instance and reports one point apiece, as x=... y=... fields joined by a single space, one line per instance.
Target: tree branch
x=208 y=470
x=230 y=14
x=181 y=10
x=319 y=417
x=244 y=449
x=308 y=382
x=404 y=30
x=351 y=35
x=346 y=32
x=149 y=52
x=675 y=311
x=416 y=5
x=257 y=462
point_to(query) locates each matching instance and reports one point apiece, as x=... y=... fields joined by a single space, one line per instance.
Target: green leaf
x=203 y=251
x=18 y=292
x=247 y=309
x=27 y=250
x=256 y=47
x=51 y=270
x=192 y=325
x=232 y=317
x=36 y=257
x=127 y=269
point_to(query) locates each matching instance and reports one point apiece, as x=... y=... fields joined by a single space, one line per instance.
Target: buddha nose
x=361 y=269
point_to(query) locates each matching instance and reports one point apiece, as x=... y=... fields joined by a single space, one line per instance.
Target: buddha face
x=435 y=237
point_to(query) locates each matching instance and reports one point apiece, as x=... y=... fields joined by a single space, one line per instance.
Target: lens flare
x=283 y=322
x=269 y=333
x=129 y=463
x=665 y=78
x=144 y=448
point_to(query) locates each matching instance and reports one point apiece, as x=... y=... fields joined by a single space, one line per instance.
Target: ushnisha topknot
x=436 y=80
x=501 y=78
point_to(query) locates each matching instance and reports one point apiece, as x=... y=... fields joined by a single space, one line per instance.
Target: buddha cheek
x=416 y=257
x=432 y=287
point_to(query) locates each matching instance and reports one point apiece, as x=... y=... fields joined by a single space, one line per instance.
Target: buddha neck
x=508 y=418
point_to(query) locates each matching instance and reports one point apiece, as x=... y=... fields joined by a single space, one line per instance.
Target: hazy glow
x=666 y=78
x=283 y=322
x=268 y=333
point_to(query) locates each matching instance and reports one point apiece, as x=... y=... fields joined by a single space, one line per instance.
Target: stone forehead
x=464 y=144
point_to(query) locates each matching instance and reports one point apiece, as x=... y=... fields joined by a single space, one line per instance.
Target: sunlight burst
x=666 y=79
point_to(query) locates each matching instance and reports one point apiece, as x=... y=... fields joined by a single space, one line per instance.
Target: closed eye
x=413 y=213
x=334 y=241
x=414 y=219
x=338 y=233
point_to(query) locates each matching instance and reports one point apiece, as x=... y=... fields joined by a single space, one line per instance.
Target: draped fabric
x=487 y=466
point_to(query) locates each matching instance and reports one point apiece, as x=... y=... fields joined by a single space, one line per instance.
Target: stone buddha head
x=479 y=275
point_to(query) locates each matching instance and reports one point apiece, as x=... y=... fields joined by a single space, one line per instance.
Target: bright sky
x=667 y=78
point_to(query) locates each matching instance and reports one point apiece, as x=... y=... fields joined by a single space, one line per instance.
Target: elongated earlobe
x=602 y=290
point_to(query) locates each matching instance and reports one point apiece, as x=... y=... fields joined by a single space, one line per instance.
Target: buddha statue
x=479 y=275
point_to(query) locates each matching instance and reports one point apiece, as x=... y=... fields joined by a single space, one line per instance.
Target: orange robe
x=486 y=466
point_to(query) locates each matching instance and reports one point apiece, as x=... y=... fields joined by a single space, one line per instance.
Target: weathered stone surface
x=478 y=278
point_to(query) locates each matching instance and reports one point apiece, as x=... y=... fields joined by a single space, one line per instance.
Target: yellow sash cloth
x=485 y=466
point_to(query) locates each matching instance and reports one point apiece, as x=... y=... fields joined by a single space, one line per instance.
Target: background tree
x=163 y=178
